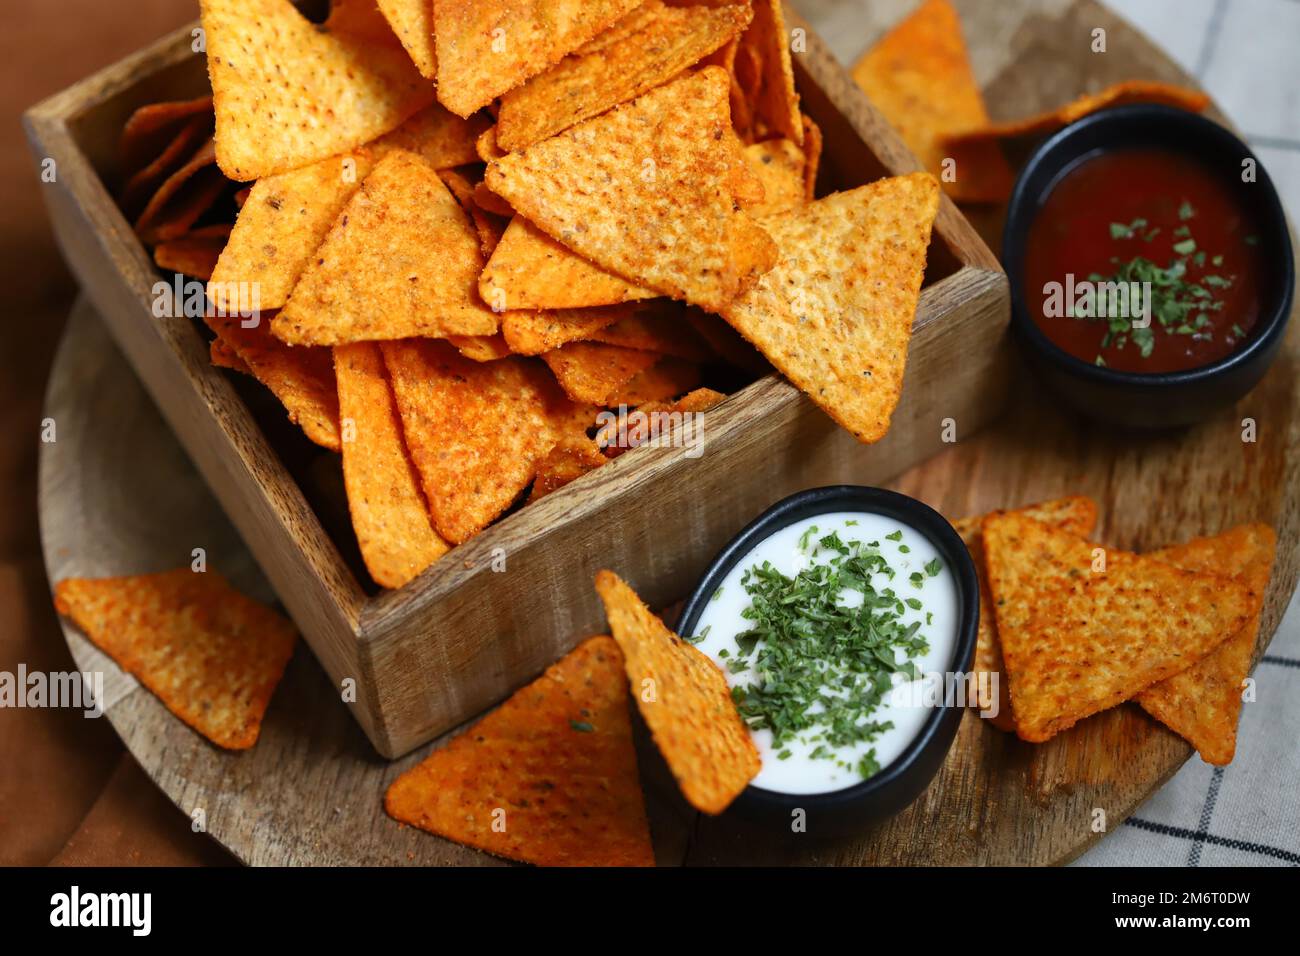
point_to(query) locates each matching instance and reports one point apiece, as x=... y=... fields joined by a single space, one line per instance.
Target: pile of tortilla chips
x=447 y=238
x=1071 y=628
x=550 y=777
x=210 y=654
x=919 y=76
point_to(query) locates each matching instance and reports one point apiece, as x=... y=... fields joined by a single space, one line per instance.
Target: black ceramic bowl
x=1151 y=400
x=840 y=812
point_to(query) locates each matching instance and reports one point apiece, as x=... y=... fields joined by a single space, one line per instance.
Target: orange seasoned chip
x=182 y=198
x=645 y=191
x=487 y=49
x=812 y=151
x=549 y=777
x=476 y=430
x=630 y=429
x=593 y=373
x=588 y=83
x=530 y=270
x=978 y=155
x=1084 y=628
x=286 y=217
x=1075 y=514
x=481 y=348
x=835 y=315
x=210 y=654
x=779 y=165
x=301 y=378
x=288 y=93
x=150 y=130
x=1203 y=703
x=412 y=22
x=667 y=378
x=392 y=522
x=402 y=259
x=919 y=76
x=575 y=452
x=661 y=330
x=145 y=180
x=684 y=699
x=195 y=253
x=533 y=333
x=223 y=356
x=776 y=104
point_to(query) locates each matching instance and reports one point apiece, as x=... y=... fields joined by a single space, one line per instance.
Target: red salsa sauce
x=1163 y=227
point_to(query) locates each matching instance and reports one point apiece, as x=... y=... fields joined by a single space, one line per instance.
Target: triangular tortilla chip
x=549 y=777
x=629 y=430
x=288 y=93
x=645 y=191
x=631 y=22
x=301 y=378
x=684 y=699
x=779 y=165
x=486 y=49
x=481 y=348
x=585 y=85
x=1076 y=641
x=476 y=430
x=977 y=152
x=530 y=270
x=286 y=217
x=575 y=452
x=812 y=156
x=1075 y=514
x=919 y=76
x=592 y=373
x=210 y=654
x=193 y=254
x=665 y=332
x=776 y=106
x=666 y=379
x=223 y=356
x=835 y=315
x=533 y=333
x=144 y=182
x=153 y=127
x=1202 y=704
x=392 y=522
x=402 y=259
x=183 y=197
x=412 y=22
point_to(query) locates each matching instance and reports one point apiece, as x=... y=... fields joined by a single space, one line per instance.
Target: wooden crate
x=466 y=633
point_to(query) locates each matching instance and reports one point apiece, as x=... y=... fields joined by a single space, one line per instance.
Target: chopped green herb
x=716 y=594
x=895 y=536
x=700 y=636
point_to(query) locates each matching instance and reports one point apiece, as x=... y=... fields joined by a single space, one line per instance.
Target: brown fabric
x=69 y=793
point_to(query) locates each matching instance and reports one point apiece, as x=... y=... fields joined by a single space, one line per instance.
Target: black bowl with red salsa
x=1151 y=268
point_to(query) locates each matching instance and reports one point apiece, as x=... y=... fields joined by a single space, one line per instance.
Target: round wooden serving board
x=118 y=496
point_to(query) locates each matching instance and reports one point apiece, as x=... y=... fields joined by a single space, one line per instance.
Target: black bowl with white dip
x=844 y=619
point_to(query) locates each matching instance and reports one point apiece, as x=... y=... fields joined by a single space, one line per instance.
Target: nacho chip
x=1203 y=703
x=978 y=155
x=812 y=152
x=585 y=85
x=667 y=378
x=223 y=356
x=288 y=93
x=288 y=216
x=146 y=180
x=487 y=49
x=632 y=22
x=412 y=22
x=676 y=230
x=193 y=254
x=152 y=128
x=629 y=431
x=533 y=333
x=530 y=270
x=476 y=430
x=1075 y=514
x=776 y=105
x=392 y=522
x=778 y=165
x=835 y=315
x=481 y=348
x=665 y=332
x=920 y=78
x=301 y=378
x=555 y=763
x=486 y=145
x=1076 y=642
x=182 y=198
x=685 y=702
x=593 y=373
x=210 y=654
x=575 y=453
x=402 y=260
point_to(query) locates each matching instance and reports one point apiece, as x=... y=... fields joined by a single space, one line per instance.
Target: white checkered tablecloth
x=1246 y=54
